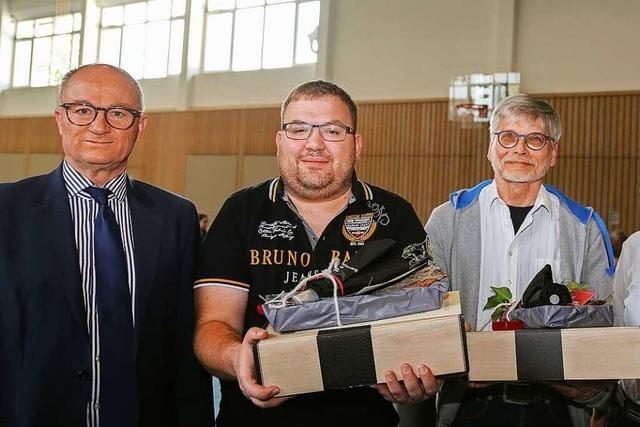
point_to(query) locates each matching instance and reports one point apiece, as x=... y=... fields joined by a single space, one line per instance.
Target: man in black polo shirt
x=267 y=238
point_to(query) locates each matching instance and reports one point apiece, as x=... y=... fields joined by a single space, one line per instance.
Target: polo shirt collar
x=359 y=190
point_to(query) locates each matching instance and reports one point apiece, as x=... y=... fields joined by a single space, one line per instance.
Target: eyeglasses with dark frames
x=534 y=141
x=83 y=114
x=332 y=132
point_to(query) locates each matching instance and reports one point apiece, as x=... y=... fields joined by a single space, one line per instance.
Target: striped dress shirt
x=512 y=259
x=84 y=210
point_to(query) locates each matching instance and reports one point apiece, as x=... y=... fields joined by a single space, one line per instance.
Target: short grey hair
x=525 y=106
x=134 y=82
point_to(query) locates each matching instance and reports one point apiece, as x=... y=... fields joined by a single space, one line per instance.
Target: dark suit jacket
x=44 y=341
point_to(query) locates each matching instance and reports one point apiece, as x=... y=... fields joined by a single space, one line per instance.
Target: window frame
x=79 y=32
x=171 y=19
x=205 y=26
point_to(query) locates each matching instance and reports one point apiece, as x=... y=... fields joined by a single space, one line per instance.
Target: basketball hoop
x=468 y=109
x=472 y=97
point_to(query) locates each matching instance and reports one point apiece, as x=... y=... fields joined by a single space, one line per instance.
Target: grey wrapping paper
x=565 y=316
x=356 y=309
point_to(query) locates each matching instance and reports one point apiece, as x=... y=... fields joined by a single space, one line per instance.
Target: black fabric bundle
x=371 y=268
x=548 y=305
x=542 y=291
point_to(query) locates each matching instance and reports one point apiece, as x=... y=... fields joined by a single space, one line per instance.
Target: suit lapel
x=54 y=224
x=147 y=226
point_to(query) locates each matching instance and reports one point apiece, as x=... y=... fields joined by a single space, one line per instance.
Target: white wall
x=384 y=49
x=162 y=94
x=579 y=45
x=247 y=88
x=407 y=49
x=36 y=101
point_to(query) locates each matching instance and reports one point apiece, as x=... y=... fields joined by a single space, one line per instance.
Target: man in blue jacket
x=501 y=233
x=96 y=305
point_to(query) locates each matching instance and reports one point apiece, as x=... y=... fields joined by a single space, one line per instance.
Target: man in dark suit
x=96 y=304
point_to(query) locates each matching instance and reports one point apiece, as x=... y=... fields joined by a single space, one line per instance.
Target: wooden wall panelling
x=602 y=157
x=633 y=153
x=599 y=152
x=624 y=152
x=410 y=148
x=262 y=125
x=37 y=134
x=613 y=169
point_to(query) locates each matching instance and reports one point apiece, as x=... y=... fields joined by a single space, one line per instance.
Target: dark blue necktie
x=118 y=390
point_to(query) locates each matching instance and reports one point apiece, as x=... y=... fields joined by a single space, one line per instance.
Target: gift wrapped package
x=561 y=340
x=554 y=354
x=565 y=316
x=359 y=355
x=355 y=309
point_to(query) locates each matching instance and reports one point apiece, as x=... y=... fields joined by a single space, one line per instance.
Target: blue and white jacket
x=454 y=231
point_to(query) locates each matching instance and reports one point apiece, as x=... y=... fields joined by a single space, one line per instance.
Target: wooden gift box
x=359 y=355
x=554 y=354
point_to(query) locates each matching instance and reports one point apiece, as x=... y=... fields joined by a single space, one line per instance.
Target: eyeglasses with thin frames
x=333 y=132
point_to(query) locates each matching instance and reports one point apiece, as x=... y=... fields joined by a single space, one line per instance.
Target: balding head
x=135 y=86
x=93 y=102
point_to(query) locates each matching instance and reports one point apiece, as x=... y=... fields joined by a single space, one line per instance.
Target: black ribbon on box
x=539 y=354
x=346 y=357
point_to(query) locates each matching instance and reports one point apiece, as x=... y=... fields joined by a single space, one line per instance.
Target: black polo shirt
x=258 y=244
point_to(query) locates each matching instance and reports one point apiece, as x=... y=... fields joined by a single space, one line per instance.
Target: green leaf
x=492 y=301
x=503 y=293
x=572 y=285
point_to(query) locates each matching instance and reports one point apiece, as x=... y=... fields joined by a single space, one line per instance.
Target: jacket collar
x=464 y=198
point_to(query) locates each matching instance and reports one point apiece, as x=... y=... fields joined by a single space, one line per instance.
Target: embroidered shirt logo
x=380 y=214
x=415 y=253
x=358 y=228
x=283 y=229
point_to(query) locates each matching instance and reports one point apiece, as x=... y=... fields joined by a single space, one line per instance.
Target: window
x=144 y=38
x=254 y=34
x=45 y=49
